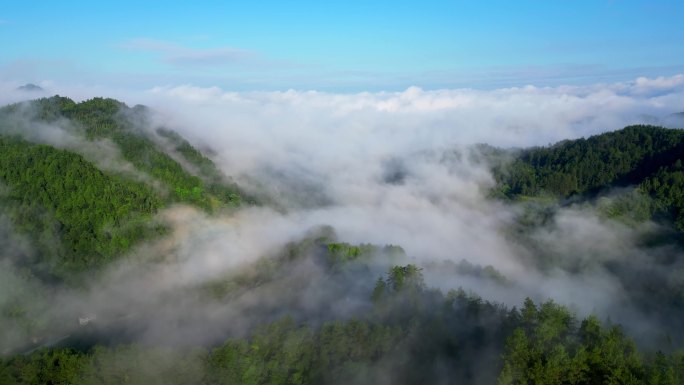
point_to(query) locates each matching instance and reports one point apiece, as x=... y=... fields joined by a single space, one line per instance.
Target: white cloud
x=307 y=123
x=660 y=83
x=180 y=55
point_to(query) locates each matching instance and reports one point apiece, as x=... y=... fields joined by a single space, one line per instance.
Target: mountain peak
x=30 y=87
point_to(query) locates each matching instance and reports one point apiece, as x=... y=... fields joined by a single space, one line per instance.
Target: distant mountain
x=649 y=120
x=30 y=87
x=674 y=120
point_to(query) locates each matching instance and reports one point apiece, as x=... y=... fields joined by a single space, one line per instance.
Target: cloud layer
x=319 y=131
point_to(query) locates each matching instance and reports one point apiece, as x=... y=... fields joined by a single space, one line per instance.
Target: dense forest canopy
x=105 y=277
x=648 y=157
x=97 y=215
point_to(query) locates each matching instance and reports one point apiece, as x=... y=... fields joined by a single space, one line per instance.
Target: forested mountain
x=57 y=196
x=101 y=282
x=647 y=157
x=623 y=157
x=60 y=195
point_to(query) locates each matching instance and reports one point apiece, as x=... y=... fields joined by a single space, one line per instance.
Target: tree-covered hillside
x=56 y=194
x=411 y=335
x=622 y=157
x=81 y=217
x=647 y=157
x=406 y=333
x=203 y=186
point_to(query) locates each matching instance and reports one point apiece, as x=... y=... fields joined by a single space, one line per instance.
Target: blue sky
x=339 y=46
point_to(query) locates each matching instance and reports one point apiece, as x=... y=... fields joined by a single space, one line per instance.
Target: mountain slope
x=57 y=194
x=127 y=127
x=80 y=216
x=648 y=157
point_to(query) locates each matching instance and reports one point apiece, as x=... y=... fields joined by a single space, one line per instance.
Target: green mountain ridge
x=97 y=215
x=646 y=157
